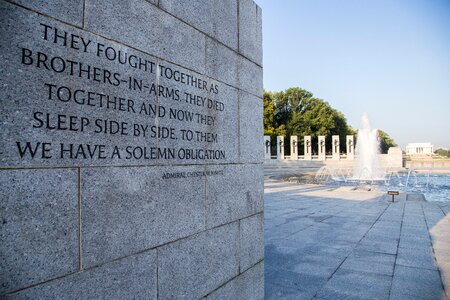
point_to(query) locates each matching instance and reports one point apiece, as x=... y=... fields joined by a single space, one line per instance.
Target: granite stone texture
x=67 y=118
x=251 y=241
x=250 y=77
x=216 y=18
x=131 y=158
x=250 y=31
x=70 y=11
x=234 y=195
x=210 y=113
x=221 y=62
x=147 y=28
x=127 y=210
x=248 y=285
x=251 y=129
x=38 y=226
x=123 y=129
x=133 y=277
x=192 y=267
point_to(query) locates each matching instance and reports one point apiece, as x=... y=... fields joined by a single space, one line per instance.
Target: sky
x=388 y=58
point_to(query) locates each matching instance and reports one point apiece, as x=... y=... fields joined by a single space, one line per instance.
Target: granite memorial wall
x=131 y=163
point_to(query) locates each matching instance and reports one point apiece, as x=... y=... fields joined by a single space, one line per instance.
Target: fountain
x=367 y=169
x=367 y=166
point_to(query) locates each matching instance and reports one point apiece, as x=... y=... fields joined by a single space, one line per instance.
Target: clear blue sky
x=389 y=58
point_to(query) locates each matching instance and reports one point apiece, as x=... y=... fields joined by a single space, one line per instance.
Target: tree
x=271 y=125
x=385 y=141
x=297 y=112
x=442 y=152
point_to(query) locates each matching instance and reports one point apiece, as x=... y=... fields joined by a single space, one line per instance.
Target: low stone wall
x=428 y=163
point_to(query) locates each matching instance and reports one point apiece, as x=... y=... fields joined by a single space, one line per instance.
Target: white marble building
x=419 y=148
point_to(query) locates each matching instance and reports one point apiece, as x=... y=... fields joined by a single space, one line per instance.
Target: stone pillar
x=321 y=147
x=350 y=144
x=307 y=147
x=294 y=148
x=267 y=147
x=280 y=147
x=335 y=147
x=395 y=158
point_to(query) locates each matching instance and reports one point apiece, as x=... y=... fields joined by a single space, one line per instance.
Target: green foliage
x=302 y=114
x=296 y=111
x=272 y=126
x=442 y=152
x=385 y=141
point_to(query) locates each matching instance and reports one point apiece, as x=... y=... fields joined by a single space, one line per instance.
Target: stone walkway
x=344 y=244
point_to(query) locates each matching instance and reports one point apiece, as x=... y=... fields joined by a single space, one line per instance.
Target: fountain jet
x=367 y=165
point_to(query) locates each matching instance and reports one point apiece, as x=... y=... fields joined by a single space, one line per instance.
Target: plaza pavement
x=323 y=243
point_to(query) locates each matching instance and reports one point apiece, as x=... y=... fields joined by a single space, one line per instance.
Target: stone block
x=234 y=195
x=133 y=277
x=250 y=30
x=69 y=119
x=280 y=147
x=70 y=11
x=192 y=267
x=355 y=285
x=250 y=128
x=416 y=283
x=211 y=117
x=290 y=282
x=39 y=226
x=370 y=262
x=125 y=211
x=248 y=285
x=251 y=241
x=250 y=77
x=216 y=18
x=221 y=62
x=147 y=28
x=41 y=107
x=416 y=257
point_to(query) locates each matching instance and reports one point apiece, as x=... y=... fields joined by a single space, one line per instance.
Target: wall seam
x=80 y=231
x=153 y=55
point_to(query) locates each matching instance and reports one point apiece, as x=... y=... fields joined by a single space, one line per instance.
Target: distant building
x=419 y=148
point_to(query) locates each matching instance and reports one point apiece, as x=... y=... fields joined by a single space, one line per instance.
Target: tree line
x=297 y=112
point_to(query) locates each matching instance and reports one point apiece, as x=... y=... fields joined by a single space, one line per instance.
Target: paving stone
x=377 y=245
x=248 y=285
x=114 y=280
x=369 y=262
x=317 y=265
x=419 y=258
x=120 y=201
x=39 y=226
x=355 y=285
x=276 y=292
x=306 y=283
x=416 y=283
x=329 y=239
x=198 y=264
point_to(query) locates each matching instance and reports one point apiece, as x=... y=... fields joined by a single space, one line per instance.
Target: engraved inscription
x=96 y=101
